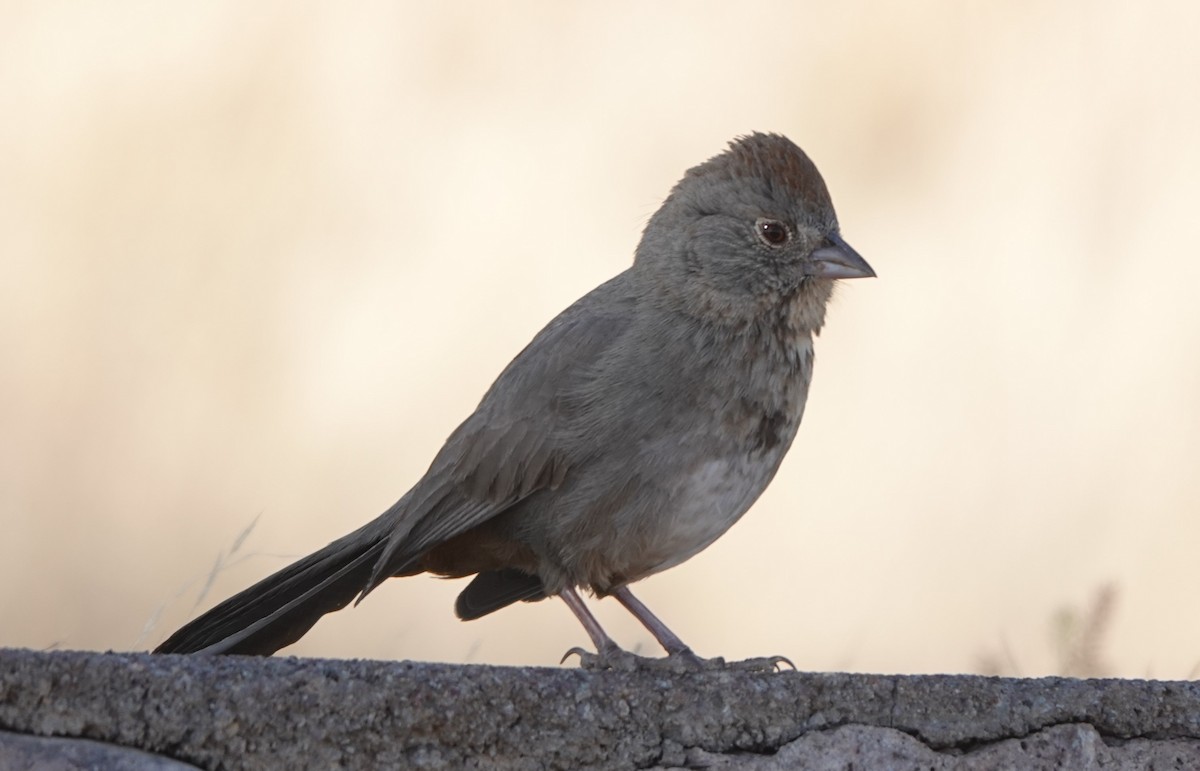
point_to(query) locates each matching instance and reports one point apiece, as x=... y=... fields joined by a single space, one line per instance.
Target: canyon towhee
x=631 y=433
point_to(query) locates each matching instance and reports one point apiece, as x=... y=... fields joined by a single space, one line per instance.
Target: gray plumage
x=630 y=433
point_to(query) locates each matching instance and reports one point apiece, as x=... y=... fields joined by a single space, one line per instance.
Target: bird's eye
x=772 y=232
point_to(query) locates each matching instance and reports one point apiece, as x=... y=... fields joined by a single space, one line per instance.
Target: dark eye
x=773 y=232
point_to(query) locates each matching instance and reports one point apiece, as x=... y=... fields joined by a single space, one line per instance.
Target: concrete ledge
x=248 y=713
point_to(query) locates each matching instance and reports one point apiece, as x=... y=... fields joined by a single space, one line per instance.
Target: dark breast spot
x=772 y=428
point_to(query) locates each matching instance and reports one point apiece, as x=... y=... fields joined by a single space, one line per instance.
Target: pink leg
x=604 y=644
x=666 y=638
x=679 y=657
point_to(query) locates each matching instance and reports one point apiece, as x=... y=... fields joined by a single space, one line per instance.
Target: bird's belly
x=718 y=493
x=704 y=503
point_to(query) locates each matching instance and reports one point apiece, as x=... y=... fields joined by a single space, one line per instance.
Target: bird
x=633 y=431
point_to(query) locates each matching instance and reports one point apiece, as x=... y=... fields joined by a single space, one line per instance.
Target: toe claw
x=762 y=664
x=576 y=651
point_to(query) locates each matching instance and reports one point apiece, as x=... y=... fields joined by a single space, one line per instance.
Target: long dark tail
x=279 y=609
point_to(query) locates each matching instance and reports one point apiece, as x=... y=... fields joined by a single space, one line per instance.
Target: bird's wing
x=510 y=447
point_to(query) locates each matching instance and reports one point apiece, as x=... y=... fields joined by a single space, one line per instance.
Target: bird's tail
x=279 y=609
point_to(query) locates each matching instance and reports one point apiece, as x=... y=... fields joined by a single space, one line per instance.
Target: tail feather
x=281 y=608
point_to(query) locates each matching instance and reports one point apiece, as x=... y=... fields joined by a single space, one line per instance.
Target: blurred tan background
x=259 y=260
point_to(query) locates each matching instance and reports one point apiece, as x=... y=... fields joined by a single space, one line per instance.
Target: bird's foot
x=761 y=664
x=686 y=661
x=678 y=662
x=611 y=658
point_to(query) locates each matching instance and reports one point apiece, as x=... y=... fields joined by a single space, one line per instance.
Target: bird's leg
x=608 y=654
x=666 y=638
x=678 y=653
x=599 y=637
x=680 y=657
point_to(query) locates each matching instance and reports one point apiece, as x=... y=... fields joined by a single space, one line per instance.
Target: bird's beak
x=836 y=259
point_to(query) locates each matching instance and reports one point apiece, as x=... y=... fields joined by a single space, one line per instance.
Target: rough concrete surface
x=251 y=713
